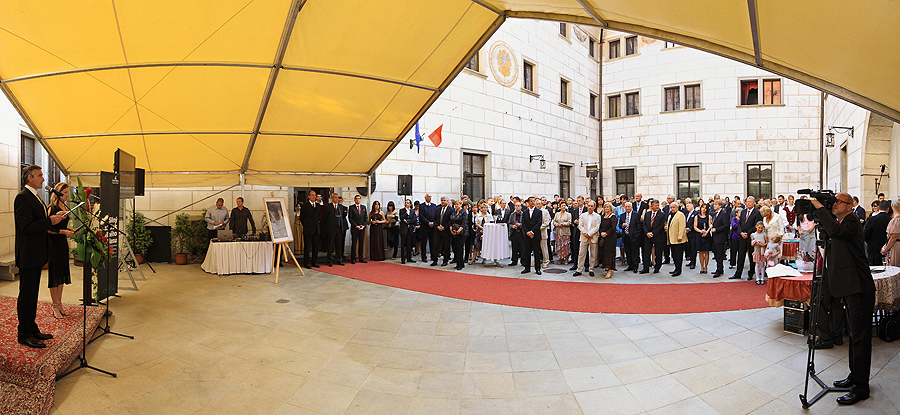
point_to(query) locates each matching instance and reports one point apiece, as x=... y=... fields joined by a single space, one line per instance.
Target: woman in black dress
x=701 y=227
x=459 y=231
x=58 y=264
x=376 y=233
x=608 y=235
x=392 y=228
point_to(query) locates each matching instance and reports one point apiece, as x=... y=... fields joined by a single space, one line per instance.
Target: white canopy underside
x=318 y=92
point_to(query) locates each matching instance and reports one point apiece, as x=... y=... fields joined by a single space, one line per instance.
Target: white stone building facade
x=682 y=121
x=490 y=131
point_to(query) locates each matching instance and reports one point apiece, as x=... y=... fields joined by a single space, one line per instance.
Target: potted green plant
x=182 y=234
x=139 y=236
x=200 y=239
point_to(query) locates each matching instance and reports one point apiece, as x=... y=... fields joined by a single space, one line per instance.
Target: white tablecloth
x=238 y=258
x=887 y=288
x=495 y=243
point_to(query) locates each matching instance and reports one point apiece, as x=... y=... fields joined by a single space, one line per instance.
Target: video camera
x=825 y=197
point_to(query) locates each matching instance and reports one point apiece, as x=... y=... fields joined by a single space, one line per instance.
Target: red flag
x=435 y=136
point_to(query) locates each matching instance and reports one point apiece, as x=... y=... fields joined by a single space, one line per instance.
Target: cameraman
x=847 y=276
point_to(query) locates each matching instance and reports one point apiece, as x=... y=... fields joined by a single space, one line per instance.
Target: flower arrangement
x=92 y=246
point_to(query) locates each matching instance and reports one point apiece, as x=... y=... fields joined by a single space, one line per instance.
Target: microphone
x=51 y=189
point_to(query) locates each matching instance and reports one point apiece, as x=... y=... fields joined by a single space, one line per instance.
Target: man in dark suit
x=747 y=222
x=630 y=224
x=358 y=219
x=345 y=226
x=847 y=276
x=875 y=232
x=501 y=213
x=333 y=229
x=32 y=252
x=310 y=215
x=575 y=240
x=653 y=226
x=639 y=206
x=532 y=218
x=426 y=219
x=721 y=223
x=442 y=236
x=691 y=246
x=516 y=236
x=408 y=227
x=858 y=210
x=668 y=211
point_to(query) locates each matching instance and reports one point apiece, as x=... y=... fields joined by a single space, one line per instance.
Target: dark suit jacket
x=657 y=227
x=860 y=212
x=848 y=271
x=32 y=224
x=640 y=207
x=356 y=217
x=875 y=231
x=722 y=224
x=426 y=214
x=511 y=220
x=309 y=217
x=748 y=223
x=443 y=220
x=333 y=219
x=345 y=226
x=634 y=227
x=460 y=219
x=532 y=222
x=408 y=221
x=689 y=222
x=502 y=215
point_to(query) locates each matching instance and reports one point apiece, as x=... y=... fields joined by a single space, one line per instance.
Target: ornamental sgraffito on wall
x=503 y=64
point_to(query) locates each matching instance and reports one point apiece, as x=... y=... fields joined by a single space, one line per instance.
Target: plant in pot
x=200 y=237
x=182 y=235
x=139 y=236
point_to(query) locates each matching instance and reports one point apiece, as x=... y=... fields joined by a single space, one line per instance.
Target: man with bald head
x=847 y=276
x=747 y=224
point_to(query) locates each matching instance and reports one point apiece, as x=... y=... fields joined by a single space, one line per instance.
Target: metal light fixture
x=829 y=136
x=540 y=158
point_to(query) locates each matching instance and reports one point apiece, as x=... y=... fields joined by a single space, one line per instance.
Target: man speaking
x=847 y=276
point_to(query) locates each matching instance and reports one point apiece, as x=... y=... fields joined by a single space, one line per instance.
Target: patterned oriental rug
x=28 y=376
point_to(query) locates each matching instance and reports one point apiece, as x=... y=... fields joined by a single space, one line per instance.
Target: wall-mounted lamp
x=829 y=136
x=540 y=158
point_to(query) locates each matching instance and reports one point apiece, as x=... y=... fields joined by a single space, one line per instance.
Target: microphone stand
x=82 y=357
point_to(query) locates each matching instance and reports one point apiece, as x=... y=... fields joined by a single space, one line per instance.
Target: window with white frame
x=564 y=30
x=681 y=97
x=770 y=95
x=614 y=48
x=592 y=47
x=592 y=105
x=632 y=103
x=528 y=76
x=473 y=63
x=565 y=91
x=613 y=106
x=631 y=45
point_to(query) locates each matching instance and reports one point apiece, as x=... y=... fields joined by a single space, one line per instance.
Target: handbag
x=889 y=328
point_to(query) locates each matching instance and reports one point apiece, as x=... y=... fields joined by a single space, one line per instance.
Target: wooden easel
x=281 y=249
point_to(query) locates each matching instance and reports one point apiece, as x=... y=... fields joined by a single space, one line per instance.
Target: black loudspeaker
x=161 y=248
x=404 y=185
x=138 y=182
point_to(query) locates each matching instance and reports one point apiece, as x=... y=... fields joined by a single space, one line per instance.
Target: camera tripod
x=816 y=297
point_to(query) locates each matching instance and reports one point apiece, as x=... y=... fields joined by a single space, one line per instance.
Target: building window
x=593 y=105
x=528 y=77
x=625 y=182
x=472 y=63
x=564 y=92
x=771 y=91
x=564 y=30
x=759 y=180
x=473 y=175
x=669 y=45
x=632 y=103
x=771 y=94
x=592 y=47
x=692 y=97
x=565 y=181
x=613 y=110
x=614 y=49
x=631 y=45
x=688 y=181
x=28 y=151
x=52 y=174
x=673 y=100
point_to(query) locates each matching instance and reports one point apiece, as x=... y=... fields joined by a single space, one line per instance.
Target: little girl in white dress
x=758 y=242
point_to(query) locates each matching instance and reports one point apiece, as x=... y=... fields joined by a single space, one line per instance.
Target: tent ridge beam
x=488 y=6
x=296 y=6
x=360 y=76
x=591 y=11
x=754 y=31
x=138 y=66
x=278 y=133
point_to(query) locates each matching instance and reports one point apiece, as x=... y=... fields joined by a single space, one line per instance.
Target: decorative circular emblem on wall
x=503 y=64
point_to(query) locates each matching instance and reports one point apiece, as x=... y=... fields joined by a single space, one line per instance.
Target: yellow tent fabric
x=324 y=89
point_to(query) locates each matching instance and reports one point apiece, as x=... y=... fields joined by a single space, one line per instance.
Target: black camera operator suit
x=847 y=276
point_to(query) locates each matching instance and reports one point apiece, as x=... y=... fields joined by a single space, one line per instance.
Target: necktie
x=627 y=221
x=652 y=218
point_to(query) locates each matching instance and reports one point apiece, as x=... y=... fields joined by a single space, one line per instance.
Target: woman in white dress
x=773 y=224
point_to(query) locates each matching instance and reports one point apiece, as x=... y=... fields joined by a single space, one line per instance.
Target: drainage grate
x=283 y=301
x=555 y=271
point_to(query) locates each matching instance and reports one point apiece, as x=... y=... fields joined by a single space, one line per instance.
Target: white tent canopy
x=320 y=91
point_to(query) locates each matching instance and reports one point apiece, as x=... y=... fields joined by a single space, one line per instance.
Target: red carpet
x=560 y=295
x=28 y=376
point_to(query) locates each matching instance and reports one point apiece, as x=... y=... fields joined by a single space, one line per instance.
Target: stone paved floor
x=324 y=344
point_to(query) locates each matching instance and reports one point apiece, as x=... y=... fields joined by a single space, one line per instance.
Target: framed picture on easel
x=279 y=225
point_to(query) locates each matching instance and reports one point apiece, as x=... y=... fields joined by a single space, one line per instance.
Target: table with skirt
x=495 y=242
x=224 y=258
x=887 y=289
